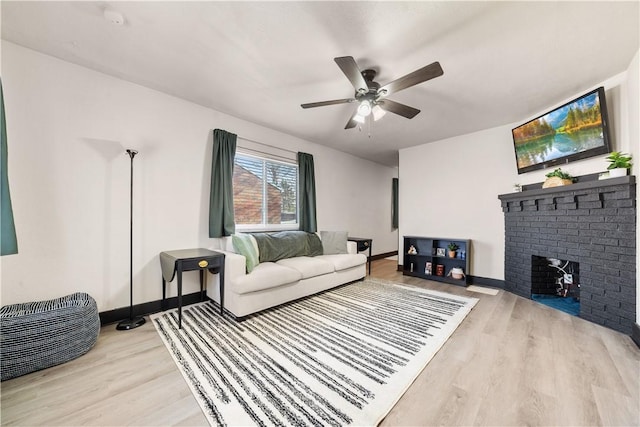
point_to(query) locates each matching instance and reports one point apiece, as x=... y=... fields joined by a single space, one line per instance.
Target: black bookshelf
x=433 y=252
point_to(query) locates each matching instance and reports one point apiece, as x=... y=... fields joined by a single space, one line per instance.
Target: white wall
x=450 y=188
x=632 y=90
x=68 y=128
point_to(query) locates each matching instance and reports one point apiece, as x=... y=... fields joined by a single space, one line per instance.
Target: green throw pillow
x=245 y=245
x=334 y=242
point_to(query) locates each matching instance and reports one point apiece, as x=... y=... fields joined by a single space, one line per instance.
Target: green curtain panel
x=307 y=199
x=394 y=202
x=9 y=242
x=221 y=220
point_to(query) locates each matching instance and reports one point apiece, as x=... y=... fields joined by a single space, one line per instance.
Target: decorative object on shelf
x=412 y=250
x=453 y=248
x=463 y=254
x=440 y=251
x=439 y=270
x=557 y=178
x=428 y=268
x=457 y=273
x=619 y=164
x=517 y=188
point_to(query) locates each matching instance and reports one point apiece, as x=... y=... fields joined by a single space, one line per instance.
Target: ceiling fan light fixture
x=364 y=109
x=370 y=97
x=377 y=112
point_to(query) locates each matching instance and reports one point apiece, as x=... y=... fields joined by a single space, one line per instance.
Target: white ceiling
x=502 y=61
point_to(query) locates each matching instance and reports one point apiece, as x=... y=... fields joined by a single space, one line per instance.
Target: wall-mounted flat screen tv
x=574 y=131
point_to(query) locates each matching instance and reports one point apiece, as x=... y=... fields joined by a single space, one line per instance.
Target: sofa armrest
x=352 y=247
x=235 y=265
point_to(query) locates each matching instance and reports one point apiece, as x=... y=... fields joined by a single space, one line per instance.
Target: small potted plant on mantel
x=619 y=164
x=453 y=248
x=557 y=178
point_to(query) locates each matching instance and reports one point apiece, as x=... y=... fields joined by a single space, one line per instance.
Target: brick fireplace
x=591 y=223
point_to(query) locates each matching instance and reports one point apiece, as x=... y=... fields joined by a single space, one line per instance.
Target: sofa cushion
x=344 y=261
x=264 y=276
x=287 y=244
x=245 y=245
x=307 y=266
x=334 y=242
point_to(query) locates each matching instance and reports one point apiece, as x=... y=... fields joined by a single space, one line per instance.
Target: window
x=265 y=193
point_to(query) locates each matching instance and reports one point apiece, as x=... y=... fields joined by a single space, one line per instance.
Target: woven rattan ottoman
x=38 y=335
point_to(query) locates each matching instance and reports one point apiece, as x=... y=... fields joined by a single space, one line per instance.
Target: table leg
x=203 y=281
x=179 y=272
x=221 y=274
x=164 y=294
x=370 y=245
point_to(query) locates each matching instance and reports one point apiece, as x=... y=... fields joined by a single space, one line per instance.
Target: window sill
x=267 y=228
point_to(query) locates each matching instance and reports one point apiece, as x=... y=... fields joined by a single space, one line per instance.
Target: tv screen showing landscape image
x=574 y=131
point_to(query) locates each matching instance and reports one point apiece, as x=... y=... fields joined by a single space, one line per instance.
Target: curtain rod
x=267 y=145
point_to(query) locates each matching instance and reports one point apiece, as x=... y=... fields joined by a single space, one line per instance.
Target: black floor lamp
x=131 y=322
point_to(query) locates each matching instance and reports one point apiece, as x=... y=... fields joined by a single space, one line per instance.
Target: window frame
x=267 y=158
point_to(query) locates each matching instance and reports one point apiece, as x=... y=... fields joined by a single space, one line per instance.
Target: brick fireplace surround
x=590 y=222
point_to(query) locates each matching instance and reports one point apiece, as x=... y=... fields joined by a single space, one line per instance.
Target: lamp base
x=127 y=324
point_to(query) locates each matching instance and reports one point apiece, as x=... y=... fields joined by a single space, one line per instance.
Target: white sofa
x=272 y=283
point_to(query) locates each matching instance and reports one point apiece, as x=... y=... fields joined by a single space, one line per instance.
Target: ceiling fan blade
x=397 y=108
x=429 y=72
x=352 y=123
x=350 y=69
x=323 y=103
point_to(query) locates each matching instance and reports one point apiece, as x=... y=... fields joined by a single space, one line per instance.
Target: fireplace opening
x=556 y=283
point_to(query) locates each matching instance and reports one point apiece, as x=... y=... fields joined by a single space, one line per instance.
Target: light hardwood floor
x=511 y=362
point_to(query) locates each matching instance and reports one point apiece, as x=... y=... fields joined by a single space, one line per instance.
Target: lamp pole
x=132 y=322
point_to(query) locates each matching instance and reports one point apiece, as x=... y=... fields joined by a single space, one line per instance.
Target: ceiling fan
x=371 y=97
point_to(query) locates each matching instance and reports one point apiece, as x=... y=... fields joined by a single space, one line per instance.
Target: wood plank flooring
x=512 y=362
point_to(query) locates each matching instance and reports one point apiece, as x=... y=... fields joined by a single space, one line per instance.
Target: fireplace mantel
x=593 y=223
x=578 y=186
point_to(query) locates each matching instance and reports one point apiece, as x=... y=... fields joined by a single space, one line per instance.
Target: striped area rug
x=343 y=357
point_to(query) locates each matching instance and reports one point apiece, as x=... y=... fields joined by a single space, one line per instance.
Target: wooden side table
x=173 y=262
x=363 y=244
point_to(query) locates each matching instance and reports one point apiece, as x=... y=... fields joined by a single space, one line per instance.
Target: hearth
x=592 y=224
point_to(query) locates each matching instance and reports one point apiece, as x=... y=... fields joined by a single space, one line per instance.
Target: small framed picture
x=440 y=252
x=428 y=268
